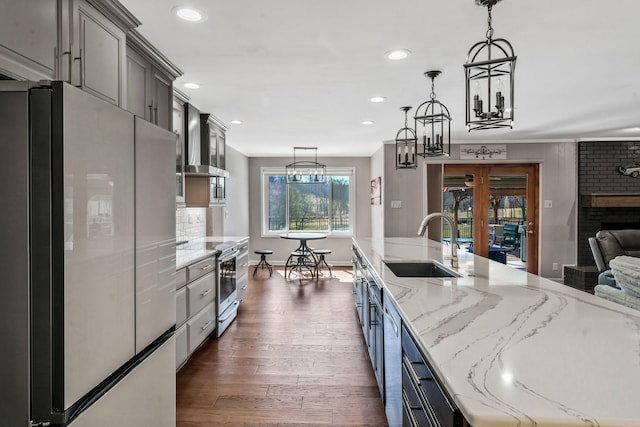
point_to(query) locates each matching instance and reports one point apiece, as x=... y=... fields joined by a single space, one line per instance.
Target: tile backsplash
x=190 y=223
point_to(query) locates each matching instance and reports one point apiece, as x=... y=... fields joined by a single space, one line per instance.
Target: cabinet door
x=162 y=94
x=99 y=53
x=213 y=145
x=28 y=37
x=138 y=71
x=178 y=129
x=221 y=148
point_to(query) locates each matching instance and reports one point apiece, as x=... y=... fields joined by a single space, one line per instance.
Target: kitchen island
x=511 y=348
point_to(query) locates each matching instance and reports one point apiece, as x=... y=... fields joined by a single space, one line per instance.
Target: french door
x=496 y=209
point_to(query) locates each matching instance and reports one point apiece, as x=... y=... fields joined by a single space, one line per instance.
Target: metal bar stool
x=321 y=260
x=299 y=260
x=263 y=260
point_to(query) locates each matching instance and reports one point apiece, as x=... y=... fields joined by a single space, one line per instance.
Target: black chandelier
x=305 y=171
x=489 y=76
x=406 y=145
x=434 y=119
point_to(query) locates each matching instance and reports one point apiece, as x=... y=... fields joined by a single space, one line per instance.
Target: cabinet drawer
x=182 y=346
x=426 y=384
x=200 y=293
x=181 y=306
x=201 y=325
x=181 y=278
x=242 y=265
x=201 y=268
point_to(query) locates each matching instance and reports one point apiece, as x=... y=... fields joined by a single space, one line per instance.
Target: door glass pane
x=457 y=199
x=508 y=218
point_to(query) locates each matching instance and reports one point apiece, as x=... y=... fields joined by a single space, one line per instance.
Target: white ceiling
x=300 y=72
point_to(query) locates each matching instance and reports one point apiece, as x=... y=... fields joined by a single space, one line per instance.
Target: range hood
x=197 y=162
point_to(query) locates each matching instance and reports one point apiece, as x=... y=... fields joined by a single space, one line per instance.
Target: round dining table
x=303 y=249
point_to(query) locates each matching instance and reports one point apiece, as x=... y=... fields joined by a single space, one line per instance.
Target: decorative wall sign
x=483 y=152
x=376 y=191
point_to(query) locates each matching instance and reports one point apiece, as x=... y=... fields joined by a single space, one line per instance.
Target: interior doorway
x=496 y=209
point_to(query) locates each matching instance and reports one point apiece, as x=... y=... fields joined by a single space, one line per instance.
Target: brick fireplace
x=598 y=175
x=607 y=200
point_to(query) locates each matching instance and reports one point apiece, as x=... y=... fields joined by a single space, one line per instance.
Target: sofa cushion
x=614 y=243
x=626 y=271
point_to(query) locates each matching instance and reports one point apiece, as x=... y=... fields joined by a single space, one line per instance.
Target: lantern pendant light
x=406 y=145
x=489 y=80
x=433 y=118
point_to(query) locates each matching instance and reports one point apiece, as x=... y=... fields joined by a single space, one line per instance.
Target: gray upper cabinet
x=28 y=39
x=93 y=46
x=212 y=131
x=150 y=77
x=179 y=100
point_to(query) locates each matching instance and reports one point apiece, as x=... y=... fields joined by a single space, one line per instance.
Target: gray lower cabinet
x=195 y=307
x=242 y=268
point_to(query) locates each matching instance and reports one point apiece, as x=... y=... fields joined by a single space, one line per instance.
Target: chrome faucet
x=454 y=233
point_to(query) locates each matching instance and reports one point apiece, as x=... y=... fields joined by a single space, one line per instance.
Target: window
x=326 y=207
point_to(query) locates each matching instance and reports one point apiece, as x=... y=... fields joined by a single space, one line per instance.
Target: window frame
x=265 y=172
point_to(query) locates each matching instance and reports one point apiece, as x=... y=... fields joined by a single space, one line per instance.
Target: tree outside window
x=324 y=207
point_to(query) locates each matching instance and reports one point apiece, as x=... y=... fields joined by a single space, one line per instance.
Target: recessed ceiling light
x=191 y=85
x=366 y=122
x=189 y=13
x=236 y=122
x=377 y=99
x=396 y=55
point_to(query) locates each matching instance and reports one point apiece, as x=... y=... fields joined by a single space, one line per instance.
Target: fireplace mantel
x=611 y=200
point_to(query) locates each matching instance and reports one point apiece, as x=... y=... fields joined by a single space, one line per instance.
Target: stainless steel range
x=227 y=302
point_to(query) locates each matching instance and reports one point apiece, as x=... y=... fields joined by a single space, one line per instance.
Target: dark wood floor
x=294 y=356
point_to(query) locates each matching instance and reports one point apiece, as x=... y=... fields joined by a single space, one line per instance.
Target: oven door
x=227 y=290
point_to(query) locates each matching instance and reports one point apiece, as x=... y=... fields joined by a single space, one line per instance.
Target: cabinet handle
x=392 y=320
x=246 y=264
x=204 y=294
x=70 y=63
x=206 y=325
x=244 y=287
x=81 y=69
x=150 y=112
x=205 y=267
x=231 y=313
x=155 y=114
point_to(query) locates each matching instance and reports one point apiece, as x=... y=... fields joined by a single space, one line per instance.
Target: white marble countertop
x=515 y=349
x=195 y=249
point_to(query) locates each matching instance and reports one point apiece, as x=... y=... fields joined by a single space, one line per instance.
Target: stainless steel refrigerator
x=88 y=260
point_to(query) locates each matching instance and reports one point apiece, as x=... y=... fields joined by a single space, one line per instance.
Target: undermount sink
x=426 y=268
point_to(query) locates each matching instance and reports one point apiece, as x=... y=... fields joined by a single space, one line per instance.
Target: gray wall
x=558 y=183
x=377 y=211
x=235 y=216
x=407 y=187
x=341 y=246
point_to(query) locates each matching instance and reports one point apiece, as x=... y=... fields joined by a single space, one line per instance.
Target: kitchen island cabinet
x=507 y=348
